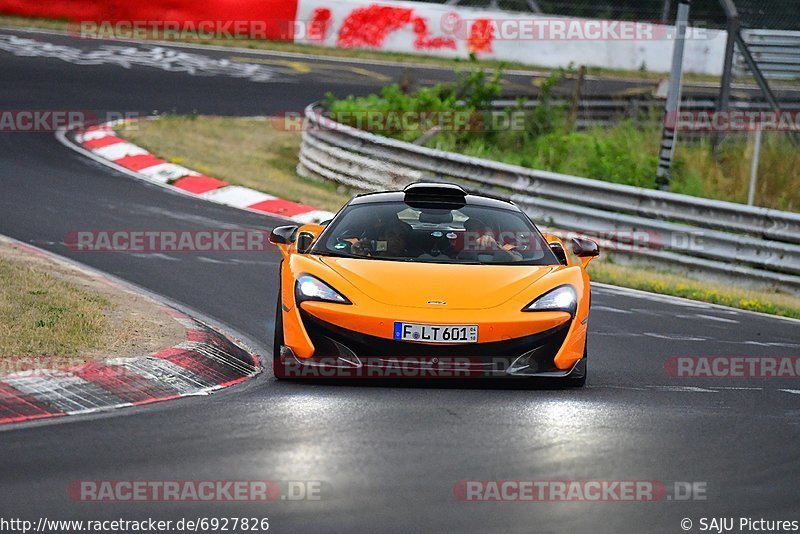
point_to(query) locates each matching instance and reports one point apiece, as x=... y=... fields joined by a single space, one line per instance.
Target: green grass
x=38 y=23
x=668 y=283
x=44 y=315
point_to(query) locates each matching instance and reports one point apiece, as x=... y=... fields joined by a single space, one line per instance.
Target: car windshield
x=436 y=233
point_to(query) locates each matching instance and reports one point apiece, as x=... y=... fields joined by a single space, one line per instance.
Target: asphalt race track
x=388 y=456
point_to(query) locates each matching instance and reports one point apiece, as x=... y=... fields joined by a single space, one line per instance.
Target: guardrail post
x=576 y=97
x=727 y=71
x=673 y=98
x=751 y=193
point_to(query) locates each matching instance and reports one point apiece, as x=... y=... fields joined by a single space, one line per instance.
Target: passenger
x=480 y=233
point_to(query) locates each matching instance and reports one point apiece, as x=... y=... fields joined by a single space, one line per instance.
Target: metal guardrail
x=695 y=233
x=777 y=53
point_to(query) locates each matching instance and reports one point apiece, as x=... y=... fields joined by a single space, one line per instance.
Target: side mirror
x=585 y=248
x=283 y=235
x=304 y=241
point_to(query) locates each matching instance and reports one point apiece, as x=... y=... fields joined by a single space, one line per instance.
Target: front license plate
x=436 y=333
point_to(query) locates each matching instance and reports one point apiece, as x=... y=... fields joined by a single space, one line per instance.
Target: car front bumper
x=344 y=353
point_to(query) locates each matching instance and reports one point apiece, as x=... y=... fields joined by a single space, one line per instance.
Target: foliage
x=542 y=137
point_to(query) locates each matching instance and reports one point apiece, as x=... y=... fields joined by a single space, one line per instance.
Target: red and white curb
x=205 y=362
x=102 y=144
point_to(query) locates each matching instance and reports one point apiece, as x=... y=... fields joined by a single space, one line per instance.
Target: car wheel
x=277 y=366
x=577 y=378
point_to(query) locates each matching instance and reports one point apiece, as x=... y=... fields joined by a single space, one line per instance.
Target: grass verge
x=41 y=314
x=242 y=151
x=667 y=283
x=254 y=153
x=53 y=315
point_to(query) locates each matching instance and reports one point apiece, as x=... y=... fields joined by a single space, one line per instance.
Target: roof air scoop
x=434 y=192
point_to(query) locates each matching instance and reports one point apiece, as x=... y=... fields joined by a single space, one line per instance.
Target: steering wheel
x=502 y=256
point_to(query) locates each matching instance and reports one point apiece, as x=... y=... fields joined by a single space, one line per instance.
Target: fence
x=605 y=111
x=777 y=53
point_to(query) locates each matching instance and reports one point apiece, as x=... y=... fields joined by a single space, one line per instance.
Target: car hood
x=427 y=285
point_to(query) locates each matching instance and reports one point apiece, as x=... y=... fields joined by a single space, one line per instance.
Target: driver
x=397 y=237
x=392 y=240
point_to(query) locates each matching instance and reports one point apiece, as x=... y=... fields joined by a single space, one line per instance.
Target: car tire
x=577 y=378
x=278 y=368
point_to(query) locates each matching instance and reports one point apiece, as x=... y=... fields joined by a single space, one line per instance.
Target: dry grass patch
x=243 y=151
x=41 y=314
x=54 y=313
x=726 y=176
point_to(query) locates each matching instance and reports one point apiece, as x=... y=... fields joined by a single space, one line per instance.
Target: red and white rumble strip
x=102 y=143
x=206 y=361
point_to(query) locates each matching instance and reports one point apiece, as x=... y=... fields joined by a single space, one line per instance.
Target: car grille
x=496 y=355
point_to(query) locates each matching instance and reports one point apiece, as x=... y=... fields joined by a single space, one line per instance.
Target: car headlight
x=562 y=298
x=309 y=287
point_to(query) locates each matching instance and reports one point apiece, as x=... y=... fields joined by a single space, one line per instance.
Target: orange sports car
x=430 y=281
